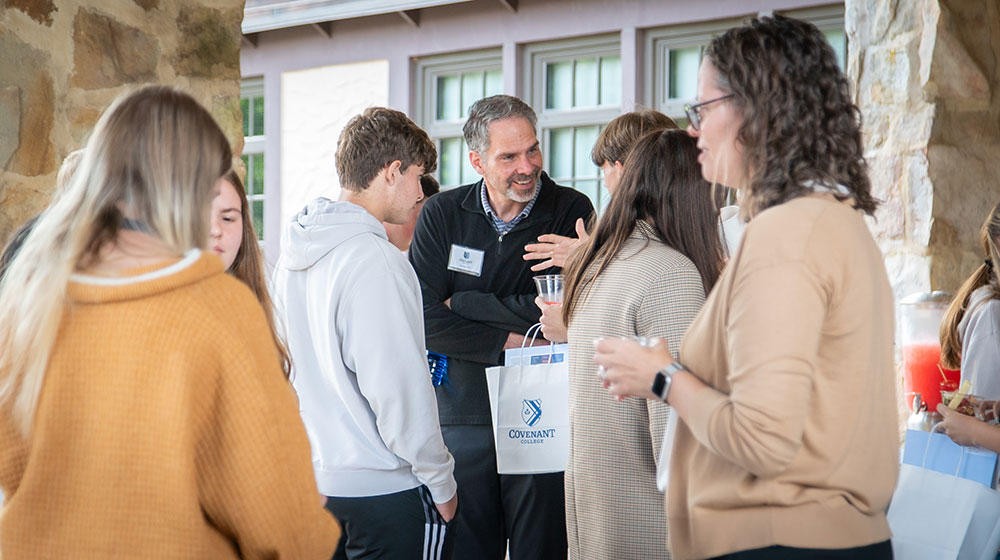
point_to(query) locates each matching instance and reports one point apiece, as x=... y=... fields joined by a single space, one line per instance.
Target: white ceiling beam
x=411 y=17
x=325 y=28
x=251 y=39
x=510 y=5
x=266 y=15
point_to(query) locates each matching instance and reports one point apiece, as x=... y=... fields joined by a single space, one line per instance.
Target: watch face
x=659 y=383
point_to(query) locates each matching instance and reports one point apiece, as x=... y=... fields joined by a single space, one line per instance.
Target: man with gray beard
x=478 y=297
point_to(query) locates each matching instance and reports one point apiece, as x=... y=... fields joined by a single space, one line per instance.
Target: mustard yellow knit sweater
x=165 y=429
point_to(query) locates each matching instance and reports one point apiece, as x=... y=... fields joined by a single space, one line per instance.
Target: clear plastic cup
x=550 y=288
x=647 y=341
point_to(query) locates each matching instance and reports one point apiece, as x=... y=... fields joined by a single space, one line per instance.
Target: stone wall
x=62 y=62
x=925 y=72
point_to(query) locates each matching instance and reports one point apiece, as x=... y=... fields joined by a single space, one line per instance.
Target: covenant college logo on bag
x=531 y=412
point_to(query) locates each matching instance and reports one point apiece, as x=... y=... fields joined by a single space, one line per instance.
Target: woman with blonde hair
x=233 y=238
x=142 y=409
x=970 y=331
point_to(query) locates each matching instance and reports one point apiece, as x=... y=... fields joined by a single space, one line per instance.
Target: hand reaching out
x=554 y=249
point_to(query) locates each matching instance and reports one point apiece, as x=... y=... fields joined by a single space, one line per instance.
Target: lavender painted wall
x=474 y=25
x=462 y=27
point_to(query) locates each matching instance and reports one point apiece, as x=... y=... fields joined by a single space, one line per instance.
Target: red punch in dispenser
x=919 y=322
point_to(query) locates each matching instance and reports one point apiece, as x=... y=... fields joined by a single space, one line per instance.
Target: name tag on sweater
x=466 y=260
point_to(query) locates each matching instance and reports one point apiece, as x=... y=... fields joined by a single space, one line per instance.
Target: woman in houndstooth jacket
x=645 y=272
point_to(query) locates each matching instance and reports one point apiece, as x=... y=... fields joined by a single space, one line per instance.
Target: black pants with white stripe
x=525 y=513
x=403 y=526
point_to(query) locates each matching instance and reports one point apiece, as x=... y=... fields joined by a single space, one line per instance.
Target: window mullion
x=572 y=85
x=600 y=80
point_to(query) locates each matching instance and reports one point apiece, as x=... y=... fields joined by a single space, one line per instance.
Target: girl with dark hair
x=644 y=272
x=234 y=240
x=784 y=383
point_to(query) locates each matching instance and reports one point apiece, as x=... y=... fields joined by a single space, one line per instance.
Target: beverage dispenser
x=919 y=323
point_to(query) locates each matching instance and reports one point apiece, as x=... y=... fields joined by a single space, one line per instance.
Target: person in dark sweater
x=478 y=298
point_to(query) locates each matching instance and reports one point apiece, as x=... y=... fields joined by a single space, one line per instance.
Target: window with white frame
x=448 y=85
x=829 y=20
x=252 y=105
x=674 y=55
x=576 y=88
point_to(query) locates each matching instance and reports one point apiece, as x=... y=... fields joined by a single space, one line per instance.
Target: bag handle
x=532 y=332
x=923 y=463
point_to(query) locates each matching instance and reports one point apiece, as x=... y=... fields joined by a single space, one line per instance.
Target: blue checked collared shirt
x=501 y=226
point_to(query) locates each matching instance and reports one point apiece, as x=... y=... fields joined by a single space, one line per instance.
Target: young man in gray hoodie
x=351 y=307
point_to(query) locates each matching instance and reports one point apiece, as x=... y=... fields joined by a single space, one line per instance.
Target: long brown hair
x=799 y=122
x=661 y=184
x=985 y=275
x=248 y=266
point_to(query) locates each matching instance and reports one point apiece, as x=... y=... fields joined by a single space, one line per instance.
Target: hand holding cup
x=630 y=365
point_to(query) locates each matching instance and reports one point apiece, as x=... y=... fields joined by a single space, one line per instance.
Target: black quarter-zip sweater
x=484 y=308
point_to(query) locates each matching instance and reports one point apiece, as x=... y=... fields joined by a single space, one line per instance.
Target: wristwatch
x=665 y=379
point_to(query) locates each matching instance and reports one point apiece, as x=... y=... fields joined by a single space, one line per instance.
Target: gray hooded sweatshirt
x=351 y=307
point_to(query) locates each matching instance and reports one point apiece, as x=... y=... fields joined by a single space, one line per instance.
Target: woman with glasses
x=787 y=440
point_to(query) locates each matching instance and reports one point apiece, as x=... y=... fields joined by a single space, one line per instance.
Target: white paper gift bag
x=938 y=516
x=530 y=409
